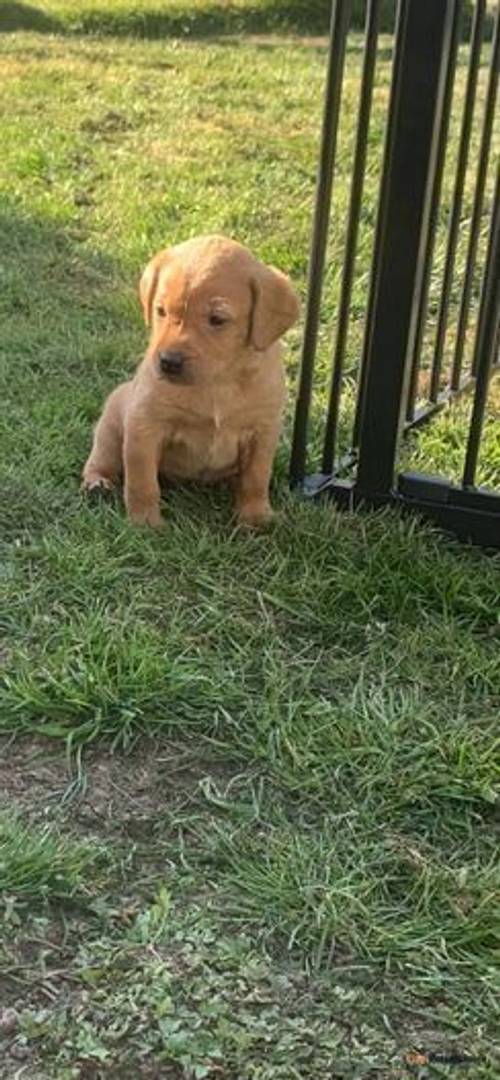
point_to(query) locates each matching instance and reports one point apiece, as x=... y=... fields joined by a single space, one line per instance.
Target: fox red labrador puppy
x=206 y=403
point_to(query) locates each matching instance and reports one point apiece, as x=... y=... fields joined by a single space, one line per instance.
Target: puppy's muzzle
x=172 y=363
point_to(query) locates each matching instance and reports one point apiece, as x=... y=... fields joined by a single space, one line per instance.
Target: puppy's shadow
x=186 y=498
x=197 y=501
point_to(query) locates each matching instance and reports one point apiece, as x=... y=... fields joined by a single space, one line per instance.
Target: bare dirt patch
x=109 y=794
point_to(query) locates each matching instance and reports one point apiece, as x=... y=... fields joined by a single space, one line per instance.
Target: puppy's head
x=210 y=305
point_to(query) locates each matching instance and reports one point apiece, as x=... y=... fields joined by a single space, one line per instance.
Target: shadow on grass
x=14 y=16
x=68 y=336
x=301 y=17
x=48 y=269
x=292 y=16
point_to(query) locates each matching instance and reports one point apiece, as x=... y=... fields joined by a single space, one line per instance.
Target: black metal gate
x=388 y=397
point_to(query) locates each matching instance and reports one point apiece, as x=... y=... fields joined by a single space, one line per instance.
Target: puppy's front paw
x=146 y=515
x=255 y=515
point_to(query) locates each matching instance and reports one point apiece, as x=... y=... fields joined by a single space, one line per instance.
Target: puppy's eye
x=216 y=320
x=160 y=311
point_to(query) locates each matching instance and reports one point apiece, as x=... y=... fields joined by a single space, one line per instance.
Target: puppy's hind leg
x=104 y=466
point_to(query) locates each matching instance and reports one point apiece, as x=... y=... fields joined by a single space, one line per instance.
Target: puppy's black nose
x=171 y=362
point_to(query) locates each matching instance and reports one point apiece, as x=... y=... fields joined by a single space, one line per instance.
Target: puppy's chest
x=204 y=450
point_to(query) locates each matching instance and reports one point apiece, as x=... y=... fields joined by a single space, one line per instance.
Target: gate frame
x=425 y=49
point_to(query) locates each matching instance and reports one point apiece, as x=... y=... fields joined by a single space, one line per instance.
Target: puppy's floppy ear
x=149 y=282
x=275 y=306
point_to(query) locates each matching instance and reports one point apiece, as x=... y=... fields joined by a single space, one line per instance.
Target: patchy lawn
x=249 y=784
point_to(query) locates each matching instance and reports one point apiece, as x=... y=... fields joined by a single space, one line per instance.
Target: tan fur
x=219 y=419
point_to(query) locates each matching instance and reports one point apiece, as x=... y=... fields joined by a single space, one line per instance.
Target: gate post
x=423 y=42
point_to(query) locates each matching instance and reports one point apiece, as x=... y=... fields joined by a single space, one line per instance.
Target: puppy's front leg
x=141 y=455
x=252 y=488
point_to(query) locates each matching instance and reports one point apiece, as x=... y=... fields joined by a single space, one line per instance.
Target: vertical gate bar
x=341 y=12
x=482 y=172
x=398 y=59
x=486 y=338
x=436 y=196
x=458 y=192
x=423 y=42
x=358 y=176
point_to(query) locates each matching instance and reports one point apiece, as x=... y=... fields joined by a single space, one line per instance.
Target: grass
x=255 y=778
x=36 y=863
